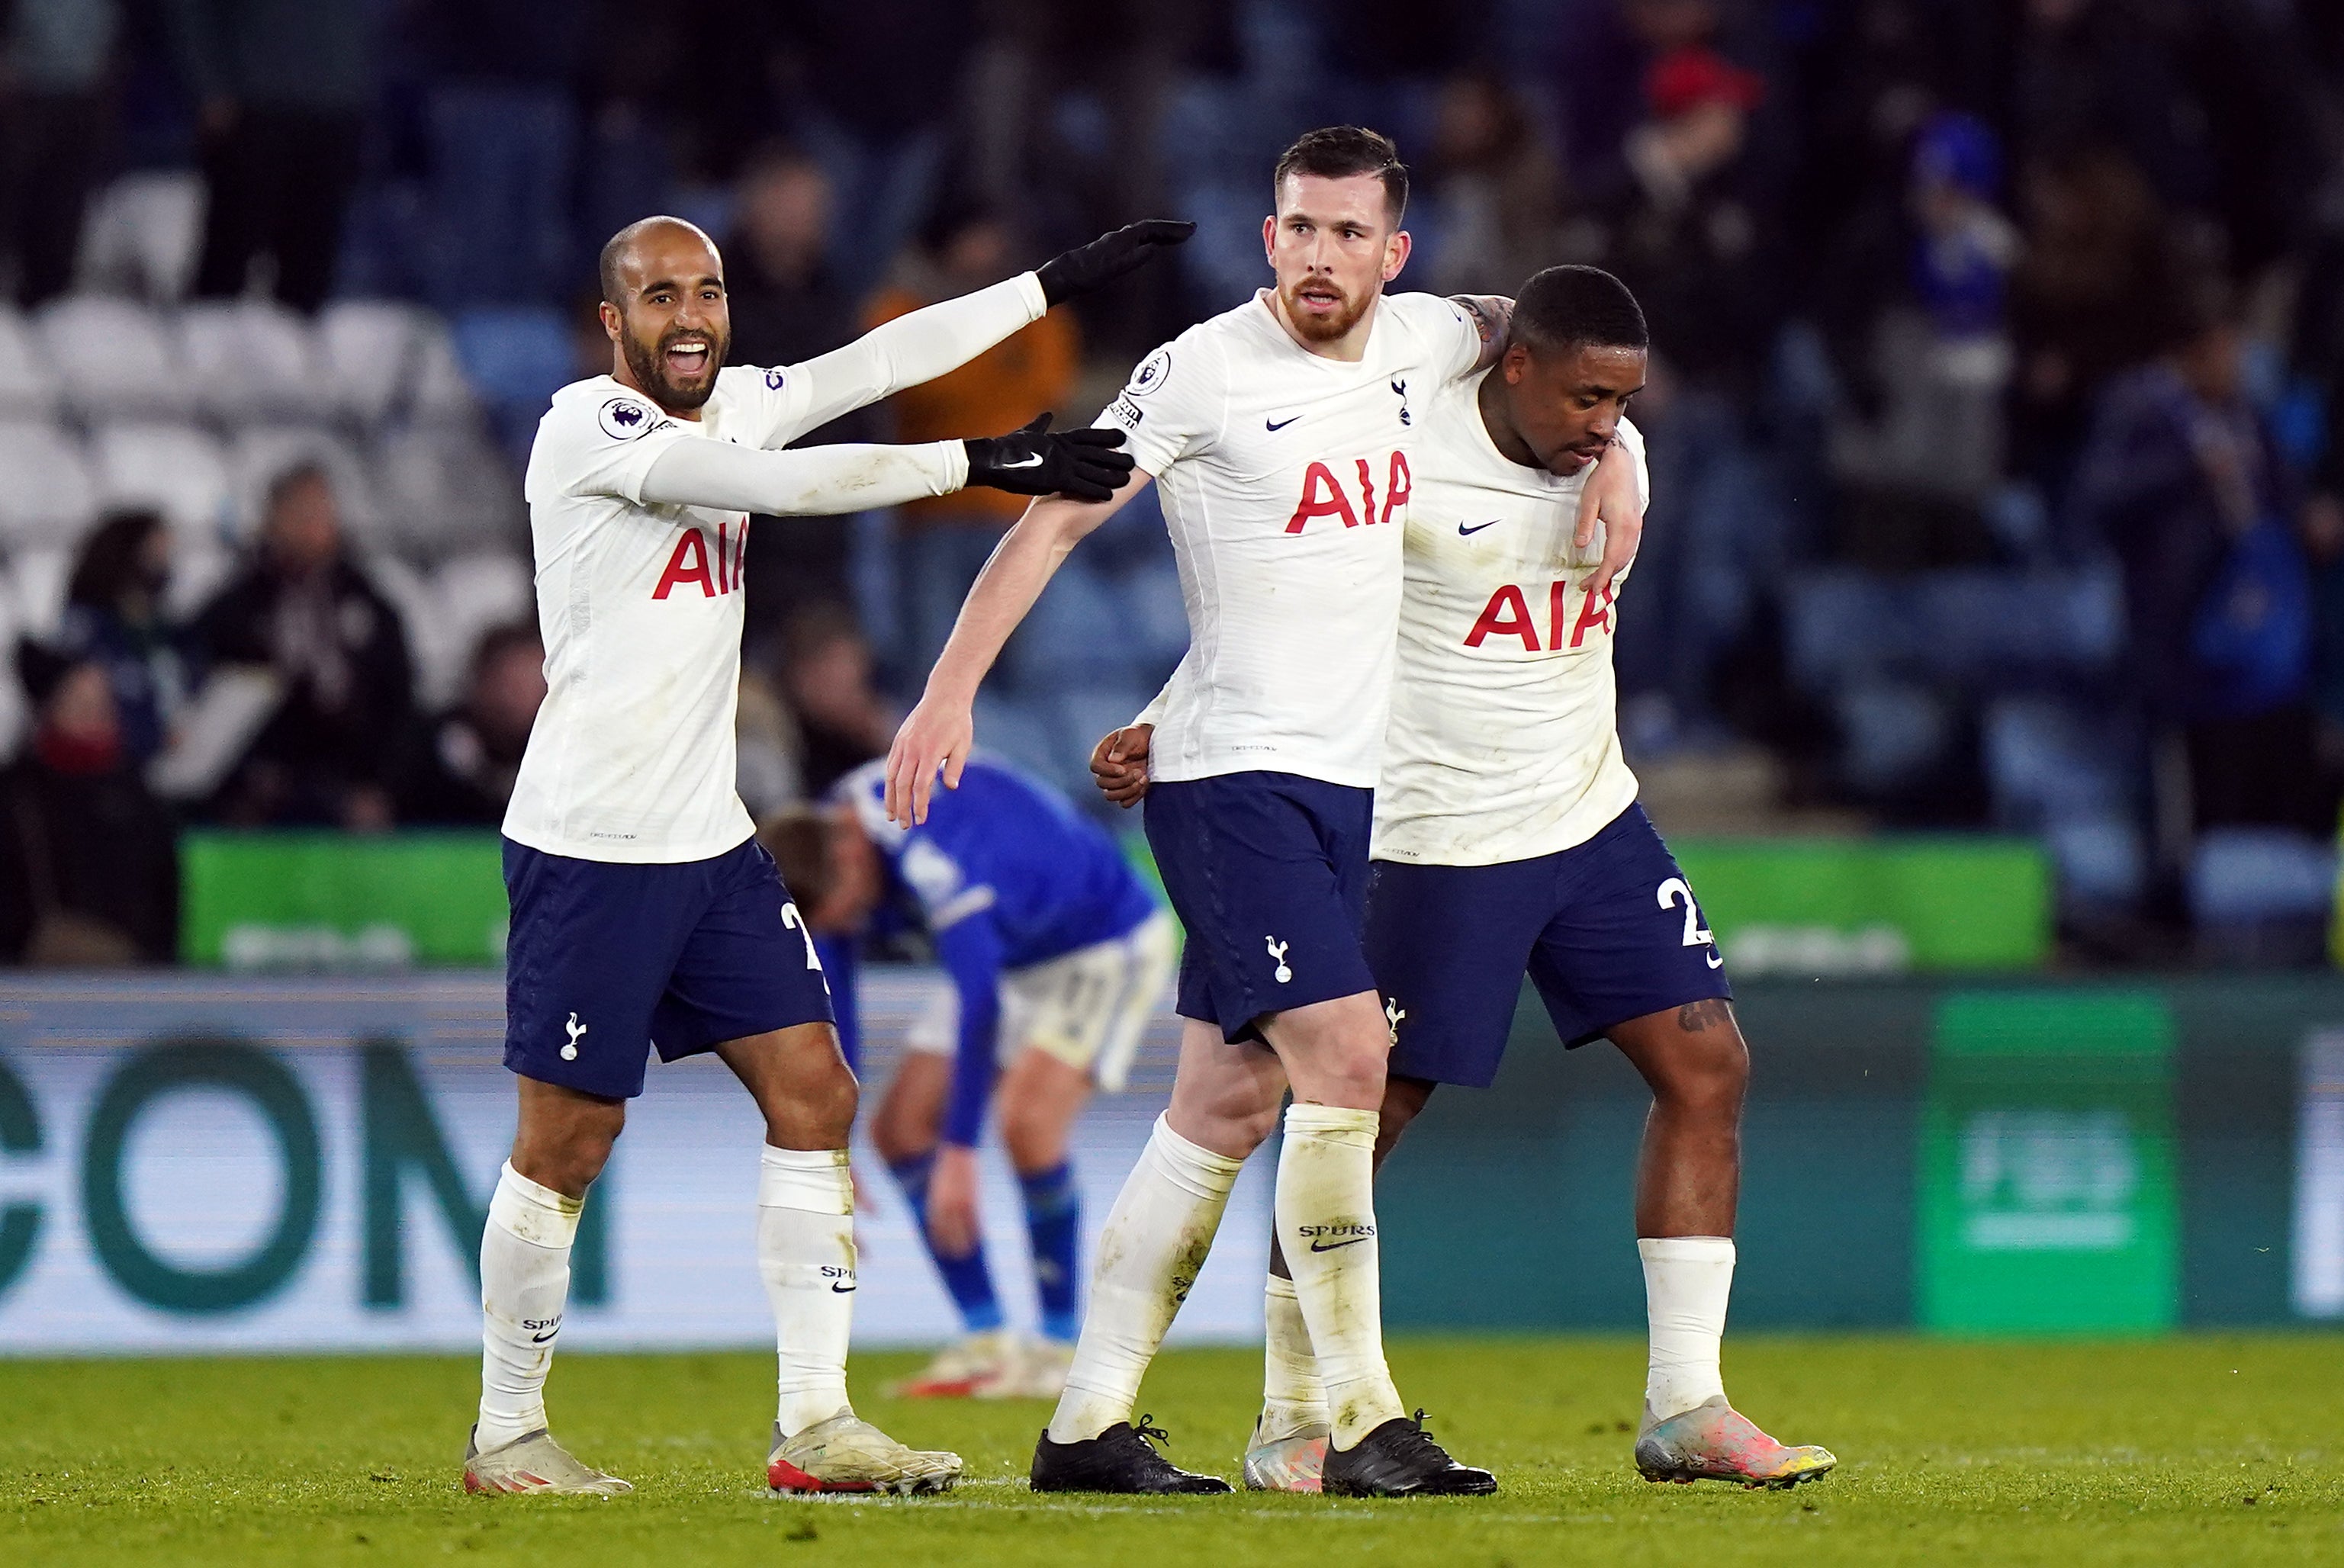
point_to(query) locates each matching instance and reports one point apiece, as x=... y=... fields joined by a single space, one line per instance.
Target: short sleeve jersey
x=1504 y=741
x=632 y=756
x=1285 y=479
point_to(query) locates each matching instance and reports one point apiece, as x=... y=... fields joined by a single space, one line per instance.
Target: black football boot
x=1399 y=1458
x=1119 y=1459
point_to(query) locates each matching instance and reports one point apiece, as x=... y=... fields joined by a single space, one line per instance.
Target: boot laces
x=1144 y=1427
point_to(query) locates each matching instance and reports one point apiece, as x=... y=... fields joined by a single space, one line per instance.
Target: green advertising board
x=1873 y=905
x=299 y=900
x=2047 y=1199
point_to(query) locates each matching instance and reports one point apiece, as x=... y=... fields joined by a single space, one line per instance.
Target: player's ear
x=1396 y=254
x=1269 y=238
x=613 y=322
x=1516 y=361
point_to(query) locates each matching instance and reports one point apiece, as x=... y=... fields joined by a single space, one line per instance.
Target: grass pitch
x=2198 y=1449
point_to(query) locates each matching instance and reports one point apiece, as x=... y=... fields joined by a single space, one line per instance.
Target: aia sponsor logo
x=1508 y=615
x=715 y=565
x=1323 y=495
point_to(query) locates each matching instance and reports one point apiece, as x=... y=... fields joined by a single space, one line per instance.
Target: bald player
x=645 y=916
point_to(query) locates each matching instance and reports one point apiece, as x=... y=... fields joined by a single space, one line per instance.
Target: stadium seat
x=37 y=575
x=47 y=496
x=113 y=358
x=372 y=350
x=470 y=594
x=177 y=469
x=437 y=392
x=253 y=363
x=2261 y=896
x=141 y=235
x=262 y=454
x=26 y=391
x=409 y=593
x=443 y=490
x=1074 y=635
x=516 y=359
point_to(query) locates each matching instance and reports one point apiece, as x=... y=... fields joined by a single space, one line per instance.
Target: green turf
x=2195 y=1450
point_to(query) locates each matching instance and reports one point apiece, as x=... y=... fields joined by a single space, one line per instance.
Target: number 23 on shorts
x=1675 y=891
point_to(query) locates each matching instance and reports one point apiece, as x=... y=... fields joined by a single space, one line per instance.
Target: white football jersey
x=1287 y=480
x=631 y=758
x=1504 y=741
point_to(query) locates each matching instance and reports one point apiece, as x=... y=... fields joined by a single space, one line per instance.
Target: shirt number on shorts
x=796 y=921
x=1673 y=891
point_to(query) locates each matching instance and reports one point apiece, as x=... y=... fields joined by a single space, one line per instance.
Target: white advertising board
x=202 y=1164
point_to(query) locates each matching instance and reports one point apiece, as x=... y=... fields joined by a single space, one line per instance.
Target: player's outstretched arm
x=928 y=342
x=816 y=481
x=936 y=734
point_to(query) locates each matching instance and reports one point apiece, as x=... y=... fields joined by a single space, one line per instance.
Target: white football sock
x=1156 y=1240
x=805 y=1251
x=1292 y=1397
x=1326 y=1225
x=1687 y=1280
x=524 y=1283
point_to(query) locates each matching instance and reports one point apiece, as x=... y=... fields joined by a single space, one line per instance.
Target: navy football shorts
x=1269 y=874
x=1607 y=930
x=607 y=962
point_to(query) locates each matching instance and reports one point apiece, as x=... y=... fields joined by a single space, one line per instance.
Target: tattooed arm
x=1492 y=313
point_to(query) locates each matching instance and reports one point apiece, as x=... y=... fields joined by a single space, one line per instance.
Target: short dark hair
x=1342 y=152
x=1564 y=308
x=607 y=267
x=802 y=841
x=110 y=562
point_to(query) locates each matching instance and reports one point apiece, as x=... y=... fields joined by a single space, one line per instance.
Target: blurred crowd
x=1993 y=408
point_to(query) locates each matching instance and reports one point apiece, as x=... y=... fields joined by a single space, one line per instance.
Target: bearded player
x=1282 y=434
x=1508 y=840
x=644 y=915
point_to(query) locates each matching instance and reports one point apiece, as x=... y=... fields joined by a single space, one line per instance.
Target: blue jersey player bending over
x=1057 y=953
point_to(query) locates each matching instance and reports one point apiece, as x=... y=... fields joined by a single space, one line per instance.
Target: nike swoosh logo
x=1279 y=424
x=838 y=1290
x=1354 y=1241
x=541 y=1338
x=1463 y=531
x=1033 y=462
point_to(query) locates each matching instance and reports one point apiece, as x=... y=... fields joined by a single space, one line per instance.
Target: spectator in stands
x=788 y=306
x=281 y=88
x=501 y=111
x=303 y=611
x=114 y=618
x=842 y=720
x=88 y=865
x=2094 y=293
x=54 y=59
x=2183 y=481
x=1490 y=190
x=874 y=108
x=1694 y=239
x=942 y=543
x=461 y=773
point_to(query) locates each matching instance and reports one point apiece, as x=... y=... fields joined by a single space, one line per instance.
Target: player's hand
x=952 y=1202
x=934 y=737
x=1083 y=464
x=1119 y=763
x=1610 y=495
x=1108 y=258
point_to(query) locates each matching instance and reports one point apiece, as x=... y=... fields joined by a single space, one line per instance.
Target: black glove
x=1083 y=464
x=1107 y=258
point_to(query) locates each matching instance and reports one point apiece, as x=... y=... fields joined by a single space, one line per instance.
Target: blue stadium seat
x=2261 y=896
x=515 y=358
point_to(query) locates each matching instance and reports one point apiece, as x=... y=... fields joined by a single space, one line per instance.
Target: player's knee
x=1032 y=1134
x=818 y=1112
x=1710 y=1074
